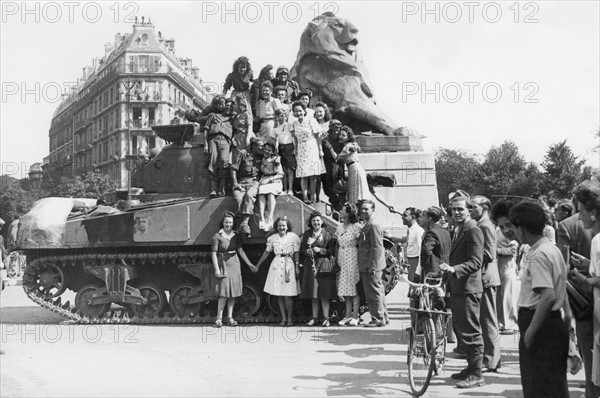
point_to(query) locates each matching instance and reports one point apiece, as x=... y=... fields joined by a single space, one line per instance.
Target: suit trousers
x=414 y=302
x=375 y=294
x=544 y=364
x=585 y=342
x=489 y=328
x=465 y=313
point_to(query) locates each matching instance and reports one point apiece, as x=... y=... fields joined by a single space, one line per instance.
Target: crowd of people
x=508 y=269
x=308 y=151
x=318 y=266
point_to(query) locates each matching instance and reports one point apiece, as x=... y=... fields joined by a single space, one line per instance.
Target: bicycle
x=427 y=343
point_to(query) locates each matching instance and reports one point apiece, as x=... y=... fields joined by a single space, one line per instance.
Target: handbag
x=582 y=304
x=328 y=266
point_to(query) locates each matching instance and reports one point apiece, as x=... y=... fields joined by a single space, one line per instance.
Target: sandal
x=290 y=323
x=326 y=323
x=311 y=322
x=231 y=322
x=282 y=323
x=218 y=323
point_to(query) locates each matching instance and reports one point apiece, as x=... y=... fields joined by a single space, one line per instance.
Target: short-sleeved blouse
x=222 y=245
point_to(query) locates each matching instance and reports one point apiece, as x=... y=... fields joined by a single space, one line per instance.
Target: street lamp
x=129 y=115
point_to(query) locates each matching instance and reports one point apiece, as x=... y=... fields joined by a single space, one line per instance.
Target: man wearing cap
x=245 y=170
x=334 y=171
x=282 y=79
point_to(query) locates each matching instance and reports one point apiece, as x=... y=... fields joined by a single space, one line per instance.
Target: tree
x=563 y=170
x=91 y=185
x=456 y=169
x=504 y=169
x=14 y=200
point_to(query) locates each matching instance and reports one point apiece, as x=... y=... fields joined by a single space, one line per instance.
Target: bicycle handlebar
x=424 y=285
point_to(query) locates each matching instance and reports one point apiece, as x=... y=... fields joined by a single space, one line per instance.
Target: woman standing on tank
x=318 y=247
x=227 y=245
x=281 y=280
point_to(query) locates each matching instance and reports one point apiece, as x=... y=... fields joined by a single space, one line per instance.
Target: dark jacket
x=435 y=249
x=489 y=268
x=326 y=242
x=371 y=253
x=466 y=256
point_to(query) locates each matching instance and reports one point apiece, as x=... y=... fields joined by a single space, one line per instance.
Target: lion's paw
x=406 y=132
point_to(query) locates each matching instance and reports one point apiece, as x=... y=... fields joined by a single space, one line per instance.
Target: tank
x=148 y=259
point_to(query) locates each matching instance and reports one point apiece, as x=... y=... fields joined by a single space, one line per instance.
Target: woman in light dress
x=347 y=235
x=270 y=185
x=284 y=271
x=358 y=188
x=588 y=197
x=310 y=164
x=265 y=111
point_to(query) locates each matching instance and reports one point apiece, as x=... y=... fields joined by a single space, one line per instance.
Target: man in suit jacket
x=491 y=280
x=574 y=238
x=371 y=262
x=435 y=249
x=466 y=288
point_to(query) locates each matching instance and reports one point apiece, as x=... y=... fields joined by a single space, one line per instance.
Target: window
x=137 y=117
x=151 y=116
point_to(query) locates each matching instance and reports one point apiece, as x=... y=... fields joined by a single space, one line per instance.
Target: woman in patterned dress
x=358 y=188
x=284 y=271
x=309 y=163
x=242 y=125
x=317 y=247
x=347 y=235
x=226 y=247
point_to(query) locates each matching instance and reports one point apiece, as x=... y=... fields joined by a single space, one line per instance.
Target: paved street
x=44 y=358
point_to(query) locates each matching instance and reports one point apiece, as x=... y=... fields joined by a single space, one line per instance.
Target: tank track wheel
x=249 y=302
x=156 y=301
x=178 y=301
x=50 y=281
x=85 y=307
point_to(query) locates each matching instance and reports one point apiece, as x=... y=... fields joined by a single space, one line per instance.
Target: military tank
x=148 y=260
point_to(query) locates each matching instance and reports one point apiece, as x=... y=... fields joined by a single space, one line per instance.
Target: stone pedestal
x=415 y=183
x=389 y=143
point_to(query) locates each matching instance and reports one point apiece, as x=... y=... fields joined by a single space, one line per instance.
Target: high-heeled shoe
x=326 y=323
x=311 y=322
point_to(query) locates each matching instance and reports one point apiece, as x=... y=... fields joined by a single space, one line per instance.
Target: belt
x=229 y=252
x=348 y=164
x=284 y=255
x=532 y=309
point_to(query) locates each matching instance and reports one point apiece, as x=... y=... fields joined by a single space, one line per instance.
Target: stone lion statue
x=329 y=65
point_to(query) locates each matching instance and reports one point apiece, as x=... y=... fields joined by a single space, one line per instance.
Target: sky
x=466 y=75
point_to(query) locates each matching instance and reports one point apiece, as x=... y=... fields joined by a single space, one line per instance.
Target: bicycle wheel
x=421 y=354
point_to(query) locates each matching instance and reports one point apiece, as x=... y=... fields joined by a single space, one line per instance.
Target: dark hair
x=551 y=202
x=266 y=83
x=242 y=61
x=264 y=72
x=363 y=201
x=312 y=216
x=588 y=195
x=217 y=98
x=567 y=207
x=434 y=213
x=306 y=92
x=280 y=88
x=227 y=214
x=481 y=201
x=270 y=143
x=287 y=221
x=300 y=104
x=530 y=216
x=352 y=213
x=501 y=209
x=350 y=133
x=323 y=105
x=414 y=212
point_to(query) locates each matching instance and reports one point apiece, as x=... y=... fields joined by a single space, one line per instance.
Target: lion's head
x=333 y=37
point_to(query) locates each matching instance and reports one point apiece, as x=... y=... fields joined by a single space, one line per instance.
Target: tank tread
x=116 y=316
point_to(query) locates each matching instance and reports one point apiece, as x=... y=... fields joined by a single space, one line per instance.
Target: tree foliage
x=456 y=169
x=93 y=184
x=562 y=170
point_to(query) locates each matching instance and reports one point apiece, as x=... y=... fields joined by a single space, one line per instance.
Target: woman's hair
x=287 y=221
x=242 y=61
x=588 y=195
x=266 y=83
x=240 y=100
x=300 y=104
x=270 y=143
x=323 y=105
x=350 y=133
x=227 y=214
x=264 y=72
x=217 y=98
x=280 y=111
x=351 y=212
x=312 y=216
x=307 y=93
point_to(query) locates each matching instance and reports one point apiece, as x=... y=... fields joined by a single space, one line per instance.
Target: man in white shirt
x=413 y=240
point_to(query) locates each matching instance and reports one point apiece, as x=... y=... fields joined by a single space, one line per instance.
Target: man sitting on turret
x=245 y=173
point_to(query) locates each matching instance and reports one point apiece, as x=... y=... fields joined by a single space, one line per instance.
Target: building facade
x=105 y=122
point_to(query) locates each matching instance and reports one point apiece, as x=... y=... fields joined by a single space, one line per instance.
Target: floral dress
x=309 y=163
x=358 y=188
x=281 y=279
x=347 y=238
